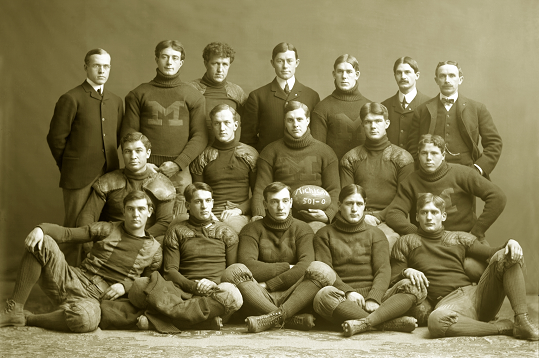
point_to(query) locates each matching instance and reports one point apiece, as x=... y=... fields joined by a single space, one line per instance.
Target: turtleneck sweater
x=440 y=256
x=268 y=247
x=335 y=120
x=457 y=185
x=171 y=113
x=296 y=162
x=378 y=166
x=359 y=254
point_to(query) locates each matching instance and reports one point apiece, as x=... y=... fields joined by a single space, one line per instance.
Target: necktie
x=99 y=90
x=448 y=100
x=287 y=89
x=403 y=103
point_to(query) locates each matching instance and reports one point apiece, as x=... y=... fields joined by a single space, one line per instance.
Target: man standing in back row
x=264 y=109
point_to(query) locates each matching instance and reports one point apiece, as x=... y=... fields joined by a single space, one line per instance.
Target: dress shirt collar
x=409 y=96
x=291 y=81
x=454 y=96
x=95 y=85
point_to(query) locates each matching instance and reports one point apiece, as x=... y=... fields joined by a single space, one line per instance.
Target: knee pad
x=321 y=274
x=236 y=274
x=406 y=286
x=504 y=262
x=229 y=296
x=326 y=300
x=82 y=314
x=440 y=320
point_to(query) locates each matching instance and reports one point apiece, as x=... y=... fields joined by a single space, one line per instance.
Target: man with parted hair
x=402 y=105
x=218 y=58
x=262 y=121
x=229 y=167
x=460 y=121
x=335 y=120
x=83 y=139
x=433 y=258
x=171 y=114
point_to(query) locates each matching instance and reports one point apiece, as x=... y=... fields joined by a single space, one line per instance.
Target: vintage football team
x=200 y=228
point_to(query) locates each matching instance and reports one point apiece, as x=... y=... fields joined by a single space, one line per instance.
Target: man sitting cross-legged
x=359 y=299
x=121 y=251
x=434 y=258
x=277 y=276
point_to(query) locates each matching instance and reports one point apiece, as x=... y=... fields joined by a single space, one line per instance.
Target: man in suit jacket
x=460 y=121
x=83 y=138
x=401 y=106
x=262 y=121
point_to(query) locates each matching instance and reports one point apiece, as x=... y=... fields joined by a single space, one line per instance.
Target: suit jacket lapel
x=464 y=131
x=432 y=107
x=296 y=91
x=89 y=89
x=277 y=90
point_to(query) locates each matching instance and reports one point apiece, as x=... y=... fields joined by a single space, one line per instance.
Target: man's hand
x=152 y=167
x=356 y=297
x=257 y=217
x=169 y=168
x=372 y=220
x=513 y=249
x=418 y=278
x=35 y=237
x=314 y=215
x=371 y=306
x=230 y=212
x=205 y=286
x=113 y=292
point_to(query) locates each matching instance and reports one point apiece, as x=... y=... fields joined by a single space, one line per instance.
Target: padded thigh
x=236 y=274
x=82 y=314
x=440 y=320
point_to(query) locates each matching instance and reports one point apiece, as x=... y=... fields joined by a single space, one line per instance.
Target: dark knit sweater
x=230 y=170
x=193 y=250
x=359 y=254
x=378 y=167
x=457 y=185
x=268 y=248
x=172 y=115
x=440 y=256
x=297 y=162
x=335 y=120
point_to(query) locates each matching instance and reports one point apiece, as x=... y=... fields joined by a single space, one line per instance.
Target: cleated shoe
x=355 y=326
x=401 y=324
x=505 y=327
x=261 y=323
x=302 y=322
x=12 y=315
x=524 y=329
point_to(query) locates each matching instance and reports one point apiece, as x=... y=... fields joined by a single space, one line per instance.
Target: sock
x=257 y=302
x=300 y=298
x=54 y=321
x=347 y=310
x=515 y=289
x=470 y=327
x=395 y=306
x=28 y=275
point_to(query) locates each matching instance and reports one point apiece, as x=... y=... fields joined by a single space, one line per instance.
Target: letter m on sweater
x=172 y=113
x=304 y=170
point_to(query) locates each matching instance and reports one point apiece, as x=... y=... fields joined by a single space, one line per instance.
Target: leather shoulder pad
x=452 y=238
x=160 y=186
x=177 y=234
x=248 y=154
x=358 y=154
x=197 y=85
x=101 y=229
x=404 y=245
x=225 y=233
x=208 y=155
x=109 y=182
x=398 y=155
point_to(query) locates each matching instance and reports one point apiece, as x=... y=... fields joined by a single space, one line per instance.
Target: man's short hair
x=406 y=60
x=189 y=191
x=348 y=59
x=293 y=105
x=283 y=47
x=435 y=139
x=430 y=198
x=351 y=189
x=373 y=108
x=135 y=137
x=95 y=51
x=137 y=195
x=173 y=44
x=218 y=49
x=223 y=107
x=454 y=63
x=275 y=187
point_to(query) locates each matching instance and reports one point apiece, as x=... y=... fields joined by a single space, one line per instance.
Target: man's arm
x=249 y=121
x=163 y=218
x=119 y=121
x=92 y=209
x=131 y=119
x=402 y=173
x=413 y=136
x=398 y=211
x=60 y=127
x=319 y=128
x=331 y=182
x=380 y=267
x=322 y=253
x=172 y=258
x=490 y=141
x=263 y=178
x=346 y=169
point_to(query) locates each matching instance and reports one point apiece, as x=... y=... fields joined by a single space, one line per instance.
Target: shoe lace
x=10 y=305
x=269 y=319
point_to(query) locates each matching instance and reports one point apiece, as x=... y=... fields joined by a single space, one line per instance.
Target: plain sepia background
x=43 y=43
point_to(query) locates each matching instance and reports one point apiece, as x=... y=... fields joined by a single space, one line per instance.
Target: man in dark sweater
x=218 y=58
x=262 y=121
x=171 y=114
x=121 y=252
x=105 y=202
x=276 y=274
x=295 y=160
x=433 y=258
x=229 y=167
x=378 y=166
x=335 y=120
x=401 y=106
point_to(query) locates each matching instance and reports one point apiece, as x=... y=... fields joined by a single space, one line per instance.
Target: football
x=310 y=197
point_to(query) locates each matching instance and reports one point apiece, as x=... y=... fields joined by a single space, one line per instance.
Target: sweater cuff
x=330 y=213
x=274 y=284
x=183 y=161
x=127 y=282
x=376 y=295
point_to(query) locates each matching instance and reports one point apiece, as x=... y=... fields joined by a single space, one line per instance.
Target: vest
x=447 y=127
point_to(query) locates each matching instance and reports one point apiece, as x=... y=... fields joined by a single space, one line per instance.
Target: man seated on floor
x=298 y=159
x=229 y=167
x=195 y=255
x=433 y=258
x=121 y=251
x=276 y=274
x=105 y=201
x=378 y=166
